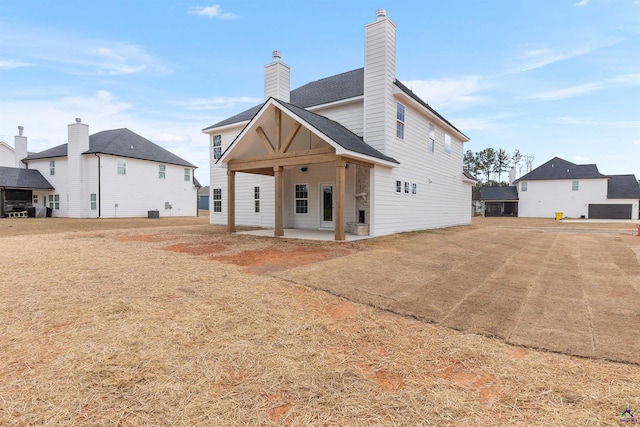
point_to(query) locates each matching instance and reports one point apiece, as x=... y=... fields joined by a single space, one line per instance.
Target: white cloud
x=482 y=122
x=600 y=123
x=214 y=11
x=8 y=64
x=583 y=89
x=449 y=92
x=216 y=103
x=171 y=139
x=582 y=3
x=580 y=159
x=76 y=54
x=532 y=59
x=637 y=141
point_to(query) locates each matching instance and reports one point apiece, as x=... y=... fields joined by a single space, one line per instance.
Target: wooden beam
x=231 y=201
x=290 y=137
x=277 y=172
x=318 y=155
x=265 y=140
x=278 y=117
x=358 y=162
x=340 y=195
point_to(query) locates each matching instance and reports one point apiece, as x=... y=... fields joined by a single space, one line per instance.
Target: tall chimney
x=379 y=76
x=276 y=79
x=78 y=143
x=512 y=175
x=20 y=148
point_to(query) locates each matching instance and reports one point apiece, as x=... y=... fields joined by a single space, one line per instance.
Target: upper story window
x=187 y=174
x=216 y=145
x=414 y=189
x=52 y=167
x=432 y=138
x=447 y=143
x=400 y=122
x=523 y=186
x=162 y=169
x=575 y=185
x=398 y=186
x=122 y=167
x=406 y=187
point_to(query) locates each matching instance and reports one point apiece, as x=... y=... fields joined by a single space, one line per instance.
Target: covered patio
x=285 y=141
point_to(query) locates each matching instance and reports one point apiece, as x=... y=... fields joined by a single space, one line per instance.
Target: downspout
x=98 y=195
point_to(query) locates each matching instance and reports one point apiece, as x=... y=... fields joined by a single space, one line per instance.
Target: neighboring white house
x=113 y=173
x=357 y=152
x=578 y=191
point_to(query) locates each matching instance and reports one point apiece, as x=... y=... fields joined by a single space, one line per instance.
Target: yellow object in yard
x=558 y=216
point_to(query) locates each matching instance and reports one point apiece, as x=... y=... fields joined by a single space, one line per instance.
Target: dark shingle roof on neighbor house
x=23 y=178
x=498 y=193
x=558 y=168
x=119 y=142
x=623 y=187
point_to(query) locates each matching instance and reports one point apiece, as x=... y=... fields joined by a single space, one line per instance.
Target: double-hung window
x=216 y=146
x=187 y=174
x=52 y=167
x=523 y=186
x=575 y=185
x=398 y=187
x=162 y=171
x=414 y=189
x=217 y=200
x=447 y=143
x=302 y=198
x=94 y=201
x=406 y=187
x=122 y=167
x=400 y=121
x=256 y=199
x=54 y=201
x=432 y=138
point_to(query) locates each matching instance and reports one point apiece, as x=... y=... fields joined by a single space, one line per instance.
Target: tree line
x=489 y=165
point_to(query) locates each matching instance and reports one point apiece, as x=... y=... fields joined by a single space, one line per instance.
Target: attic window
x=187 y=174
x=122 y=167
x=217 y=146
x=400 y=122
x=575 y=185
x=523 y=186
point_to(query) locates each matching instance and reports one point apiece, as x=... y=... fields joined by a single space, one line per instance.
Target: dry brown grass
x=103 y=327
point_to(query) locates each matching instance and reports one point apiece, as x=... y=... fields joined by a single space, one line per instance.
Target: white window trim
x=216 y=142
x=407 y=188
x=575 y=187
x=402 y=121
x=162 y=171
x=121 y=165
x=398 y=186
x=414 y=189
x=257 y=199
x=447 y=143
x=295 y=199
x=523 y=186
x=431 y=143
x=187 y=174
x=214 y=200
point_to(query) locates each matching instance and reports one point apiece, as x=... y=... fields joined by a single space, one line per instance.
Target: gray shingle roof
x=558 y=168
x=30 y=179
x=498 y=193
x=335 y=88
x=623 y=187
x=338 y=133
x=469 y=175
x=119 y=142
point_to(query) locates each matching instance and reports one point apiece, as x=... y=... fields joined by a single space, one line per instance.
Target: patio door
x=326 y=206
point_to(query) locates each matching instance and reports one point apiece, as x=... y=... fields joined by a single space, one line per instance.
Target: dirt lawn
x=173 y=322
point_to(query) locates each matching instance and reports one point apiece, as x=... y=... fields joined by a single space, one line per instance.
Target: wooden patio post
x=231 y=201
x=341 y=165
x=277 y=172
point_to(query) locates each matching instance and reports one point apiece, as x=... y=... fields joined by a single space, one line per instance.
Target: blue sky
x=548 y=77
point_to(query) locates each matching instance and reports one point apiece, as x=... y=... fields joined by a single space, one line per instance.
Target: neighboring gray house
x=499 y=201
x=203 y=198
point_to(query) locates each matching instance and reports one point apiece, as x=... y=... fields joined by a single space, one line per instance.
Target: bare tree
x=516 y=161
x=528 y=162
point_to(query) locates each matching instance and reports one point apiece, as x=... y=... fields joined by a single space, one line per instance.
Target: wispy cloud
x=600 y=123
x=532 y=59
x=76 y=54
x=214 y=11
x=586 y=88
x=9 y=64
x=581 y=159
x=216 y=103
x=449 y=92
x=486 y=122
x=582 y=3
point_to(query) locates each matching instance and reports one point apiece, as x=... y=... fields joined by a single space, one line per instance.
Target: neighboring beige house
x=110 y=174
x=357 y=152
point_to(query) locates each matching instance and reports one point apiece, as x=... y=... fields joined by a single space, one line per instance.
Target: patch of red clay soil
x=196 y=248
x=487 y=385
x=340 y=310
x=279 y=404
x=519 y=353
x=271 y=260
x=386 y=380
x=144 y=238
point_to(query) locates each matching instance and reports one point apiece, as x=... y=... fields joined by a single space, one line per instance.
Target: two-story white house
x=577 y=191
x=357 y=152
x=110 y=174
